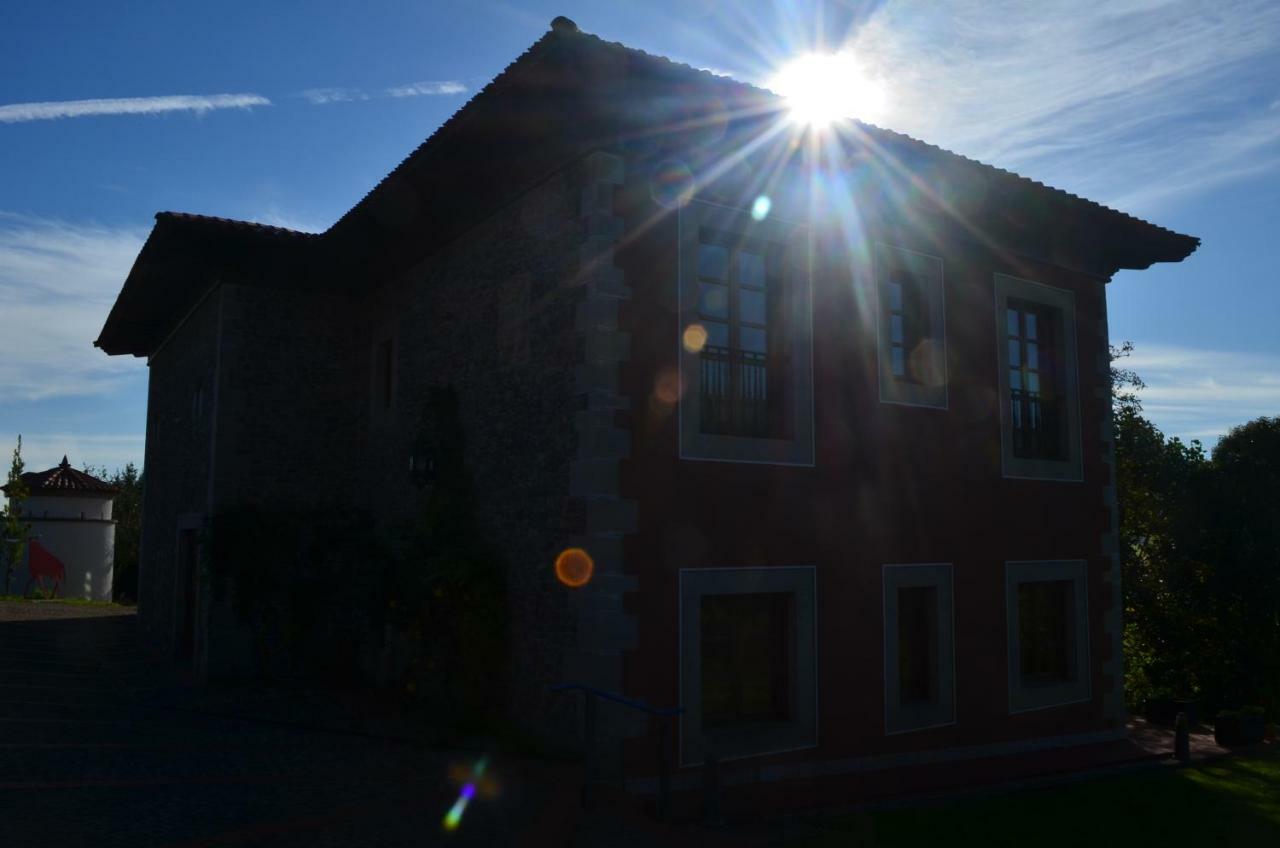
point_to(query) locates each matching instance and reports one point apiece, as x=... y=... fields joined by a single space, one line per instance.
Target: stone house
x=830 y=412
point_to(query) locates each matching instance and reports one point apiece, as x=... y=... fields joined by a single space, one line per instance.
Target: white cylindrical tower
x=70 y=516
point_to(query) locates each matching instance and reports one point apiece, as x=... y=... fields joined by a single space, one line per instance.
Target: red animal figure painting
x=41 y=564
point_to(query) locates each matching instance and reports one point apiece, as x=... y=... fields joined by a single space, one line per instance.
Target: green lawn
x=1234 y=801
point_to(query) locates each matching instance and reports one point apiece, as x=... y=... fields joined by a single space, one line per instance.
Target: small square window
x=747 y=661
x=912 y=338
x=919 y=647
x=1048 y=634
x=383 y=376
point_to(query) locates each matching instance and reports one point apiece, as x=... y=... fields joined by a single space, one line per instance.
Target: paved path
x=93 y=754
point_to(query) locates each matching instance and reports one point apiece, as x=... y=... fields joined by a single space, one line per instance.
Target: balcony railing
x=735 y=392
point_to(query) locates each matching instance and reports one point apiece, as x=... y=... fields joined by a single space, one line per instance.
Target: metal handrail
x=618 y=699
x=589 y=696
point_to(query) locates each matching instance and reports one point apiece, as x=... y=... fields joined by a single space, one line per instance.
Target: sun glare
x=824 y=87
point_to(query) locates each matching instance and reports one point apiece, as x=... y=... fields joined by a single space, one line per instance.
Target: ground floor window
x=919 y=648
x=1048 y=634
x=747 y=661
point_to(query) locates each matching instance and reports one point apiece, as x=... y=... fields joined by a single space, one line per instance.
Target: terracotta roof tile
x=64 y=480
x=233 y=224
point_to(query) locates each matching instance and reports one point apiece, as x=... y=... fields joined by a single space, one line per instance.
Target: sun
x=824 y=87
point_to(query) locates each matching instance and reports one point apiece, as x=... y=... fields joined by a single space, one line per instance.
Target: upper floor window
x=382 y=379
x=739 y=306
x=912 y=347
x=746 y=361
x=1038 y=380
x=1035 y=401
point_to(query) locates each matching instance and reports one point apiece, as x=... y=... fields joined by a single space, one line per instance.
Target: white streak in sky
x=15 y=113
x=417 y=89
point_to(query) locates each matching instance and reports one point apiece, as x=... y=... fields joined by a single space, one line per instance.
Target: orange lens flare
x=574 y=567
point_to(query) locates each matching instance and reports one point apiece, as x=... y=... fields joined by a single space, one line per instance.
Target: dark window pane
x=751 y=269
x=713 y=261
x=713 y=301
x=1012 y=322
x=917 y=643
x=898 y=360
x=895 y=329
x=717 y=333
x=751 y=306
x=1031 y=325
x=1033 y=355
x=895 y=297
x=1046 y=632
x=752 y=339
x=1015 y=353
x=746 y=658
x=1015 y=380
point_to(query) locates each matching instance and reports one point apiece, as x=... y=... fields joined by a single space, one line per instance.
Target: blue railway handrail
x=589 y=696
x=618 y=699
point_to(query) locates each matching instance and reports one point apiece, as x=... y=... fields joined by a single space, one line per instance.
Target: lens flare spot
x=453 y=818
x=666 y=389
x=760 y=208
x=694 y=338
x=671 y=184
x=574 y=567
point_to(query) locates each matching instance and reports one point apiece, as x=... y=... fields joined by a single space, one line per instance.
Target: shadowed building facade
x=841 y=457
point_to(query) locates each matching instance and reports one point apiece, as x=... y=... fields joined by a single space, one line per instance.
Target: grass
x=75 y=601
x=1232 y=801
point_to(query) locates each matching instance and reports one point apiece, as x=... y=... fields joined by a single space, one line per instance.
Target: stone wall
x=518 y=315
x=180 y=403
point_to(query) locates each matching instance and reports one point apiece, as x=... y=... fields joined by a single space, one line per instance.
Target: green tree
x=1244 y=522
x=127 y=511
x=14 y=529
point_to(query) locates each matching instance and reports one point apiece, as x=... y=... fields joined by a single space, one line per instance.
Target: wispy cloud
x=1127 y=103
x=1201 y=394
x=14 y=113
x=418 y=89
x=57 y=284
x=321 y=96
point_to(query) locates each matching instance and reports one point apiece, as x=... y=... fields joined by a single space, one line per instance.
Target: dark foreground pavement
x=95 y=752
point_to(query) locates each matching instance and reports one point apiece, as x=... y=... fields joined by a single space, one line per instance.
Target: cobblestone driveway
x=93 y=754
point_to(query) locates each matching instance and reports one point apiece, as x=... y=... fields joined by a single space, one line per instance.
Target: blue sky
x=288 y=112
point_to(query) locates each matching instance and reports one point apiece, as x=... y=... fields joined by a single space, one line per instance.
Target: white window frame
x=1070 y=469
x=1026 y=699
x=798 y=449
x=929 y=270
x=942 y=712
x=799 y=733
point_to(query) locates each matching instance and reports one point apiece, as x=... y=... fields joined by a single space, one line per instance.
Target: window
x=1048 y=634
x=746 y=658
x=1039 y=403
x=747 y=661
x=382 y=380
x=384 y=374
x=1045 y=617
x=739 y=308
x=745 y=353
x=1035 y=403
x=911 y=327
x=919 y=647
